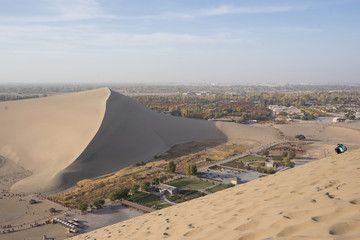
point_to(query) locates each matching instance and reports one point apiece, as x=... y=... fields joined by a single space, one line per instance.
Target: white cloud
x=65 y=10
x=221 y=10
x=225 y=9
x=91 y=38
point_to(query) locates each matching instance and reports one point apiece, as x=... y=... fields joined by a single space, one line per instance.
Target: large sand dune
x=63 y=139
x=319 y=200
x=45 y=135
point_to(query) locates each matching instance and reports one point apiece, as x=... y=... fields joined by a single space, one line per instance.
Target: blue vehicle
x=340 y=149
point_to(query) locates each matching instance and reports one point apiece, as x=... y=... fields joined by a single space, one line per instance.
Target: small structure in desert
x=167 y=189
x=32 y=201
x=236 y=180
x=272 y=164
x=339 y=120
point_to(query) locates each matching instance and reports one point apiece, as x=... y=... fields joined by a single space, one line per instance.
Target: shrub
x=170 y=167
x=155 y=181
x=134 y=188
x=300 y=137
x=190 y=169
x=98 y=203
x=119 y=194
x=291 y=155
x=145 y=186
x=83 y=207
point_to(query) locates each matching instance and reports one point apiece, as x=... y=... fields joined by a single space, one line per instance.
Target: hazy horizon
x=179 y=42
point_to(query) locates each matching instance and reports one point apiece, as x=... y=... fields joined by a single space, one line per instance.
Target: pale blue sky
x=185 y=41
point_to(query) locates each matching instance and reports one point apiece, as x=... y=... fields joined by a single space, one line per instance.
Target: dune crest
x=66 y=138
x=319 y=200
x=131 y=133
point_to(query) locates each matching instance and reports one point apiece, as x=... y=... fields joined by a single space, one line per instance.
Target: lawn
x=257 y=164
x=138 y=195
x=220 y=187
x=165 y=205
x=149 y=200
x=250 y=158
x=234 y=164
x=190 y=183
x=185 y=195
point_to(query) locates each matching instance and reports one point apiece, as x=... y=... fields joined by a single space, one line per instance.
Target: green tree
x=170 y=167
x=300 y=137
x=155 y=181
x=145 y=186
x=190 y=169
x=98 y=203
x=83 y=207
x=291 y=155
x=288 y=163
x=266 y=153
x=284 y=154
x=134 y=188
x=119 y=194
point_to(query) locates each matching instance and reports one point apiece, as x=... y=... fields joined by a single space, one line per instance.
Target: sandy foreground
x=319 y=200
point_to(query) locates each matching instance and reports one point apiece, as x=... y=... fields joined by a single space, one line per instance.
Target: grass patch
x=138 y=195
x=257 y=164
x=185 y=195
x=165 y=205
x=220 y=187
x=234 y=164
x=149 y=200
x=250 y=158
x=190 y=183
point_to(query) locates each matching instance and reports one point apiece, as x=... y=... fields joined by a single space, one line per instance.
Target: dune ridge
x=66 y=138
x=131 y=133
x=319 y=200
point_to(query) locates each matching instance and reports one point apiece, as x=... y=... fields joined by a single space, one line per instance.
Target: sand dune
x=131 y=133
x=45 y=135
x=319 y=200
x=64 y=139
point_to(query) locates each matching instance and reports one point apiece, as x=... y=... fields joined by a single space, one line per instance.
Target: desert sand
x=45 y=135
x=319 y=200
x=67 y=138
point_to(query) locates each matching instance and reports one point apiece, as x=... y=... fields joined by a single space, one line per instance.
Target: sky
x=180 y=42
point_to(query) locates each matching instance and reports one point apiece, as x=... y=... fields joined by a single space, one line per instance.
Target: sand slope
x=319 y=200
x=45 y=135
x=64 y=139
x=131 y=133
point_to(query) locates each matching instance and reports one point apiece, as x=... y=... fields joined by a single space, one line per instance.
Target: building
x=288 y=110
x=167 y=189
x=272 y=164
x=236 y=181
x=339 y=120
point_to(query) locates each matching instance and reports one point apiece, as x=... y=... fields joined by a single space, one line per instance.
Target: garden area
x=185 y=195
x=220 y=187
x=149 y=200
x=190 y=183
x=251 y=158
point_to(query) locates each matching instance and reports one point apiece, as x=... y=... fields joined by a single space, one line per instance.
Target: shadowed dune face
x=63 y=139
x=319 y=200
x=45 y=135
